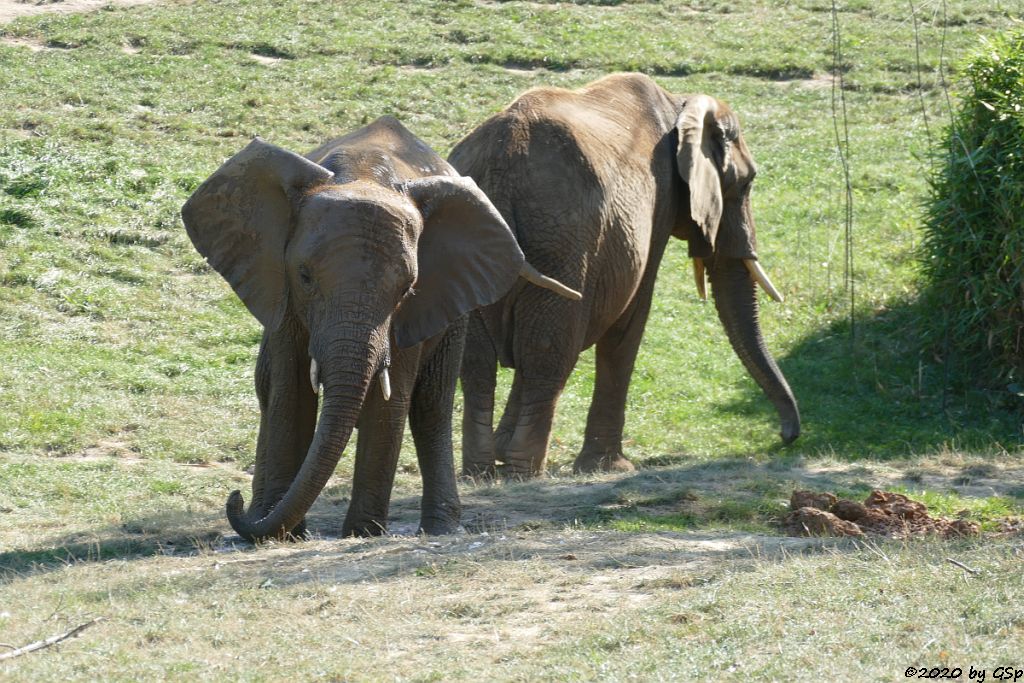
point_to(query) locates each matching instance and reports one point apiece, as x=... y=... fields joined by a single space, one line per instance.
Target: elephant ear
x=467 y=257
x=699 y=156
x=240 y=219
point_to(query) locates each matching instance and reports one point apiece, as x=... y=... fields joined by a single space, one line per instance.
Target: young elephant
x=361 y=261
x=593 y=182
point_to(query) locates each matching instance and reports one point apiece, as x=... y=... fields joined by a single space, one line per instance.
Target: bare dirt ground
x=12 y=9
x=531 y=575
x=598 y=557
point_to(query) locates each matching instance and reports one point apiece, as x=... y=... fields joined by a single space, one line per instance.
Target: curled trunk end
x=337 y=420
x=736 y=301
x=344 y=393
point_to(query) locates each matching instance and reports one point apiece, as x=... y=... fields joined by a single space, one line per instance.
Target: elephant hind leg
x=479 y=379
x=503 y=435
x=546 y=349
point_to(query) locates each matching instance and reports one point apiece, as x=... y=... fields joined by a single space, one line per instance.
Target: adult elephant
x=593 y=182
x=361 y=260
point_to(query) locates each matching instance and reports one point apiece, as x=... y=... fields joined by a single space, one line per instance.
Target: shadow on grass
x=735 y=493
x=688 y=516
x=142 y=538
x=876 y=394
x=492 y=510
x=726 y=508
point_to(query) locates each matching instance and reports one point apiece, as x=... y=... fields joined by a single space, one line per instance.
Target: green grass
x=127 y=409
x=100 y=146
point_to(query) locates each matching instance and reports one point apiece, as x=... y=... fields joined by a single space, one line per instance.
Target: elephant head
x=718 y=171
x=349 y=264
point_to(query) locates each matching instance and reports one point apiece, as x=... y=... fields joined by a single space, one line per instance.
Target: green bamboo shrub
x=974 y=230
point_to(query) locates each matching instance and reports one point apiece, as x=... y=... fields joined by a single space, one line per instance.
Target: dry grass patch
x=554 y=584
x=401 y=605
x=541 y=605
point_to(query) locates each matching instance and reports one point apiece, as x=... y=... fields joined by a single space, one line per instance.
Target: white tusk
x=314 y=376
x=385 y=383
x=532 y=275
x=757 y=272
x=698 y=275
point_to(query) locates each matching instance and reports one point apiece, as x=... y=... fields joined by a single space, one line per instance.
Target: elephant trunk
x=346 y=375
x=736 y=301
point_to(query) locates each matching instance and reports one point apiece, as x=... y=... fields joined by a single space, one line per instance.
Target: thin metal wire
x=843 y=148
x=920 y=85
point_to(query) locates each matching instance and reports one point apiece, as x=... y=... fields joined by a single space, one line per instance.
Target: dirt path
x=12 y=9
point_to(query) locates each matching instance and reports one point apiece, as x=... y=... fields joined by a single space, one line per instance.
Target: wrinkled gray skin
x=594 y=182
x=368 y=247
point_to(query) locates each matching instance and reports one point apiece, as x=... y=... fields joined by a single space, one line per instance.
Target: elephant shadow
x=697 y=496
x=700 y=510
x=543 y=519
x=878 y=393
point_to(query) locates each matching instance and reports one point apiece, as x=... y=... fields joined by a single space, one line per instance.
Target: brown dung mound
x=883 y=513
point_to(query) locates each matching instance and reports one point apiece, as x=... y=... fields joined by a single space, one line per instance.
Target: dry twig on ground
x=52 y=640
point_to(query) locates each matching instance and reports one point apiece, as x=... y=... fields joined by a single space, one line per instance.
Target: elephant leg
x=478 y=374
x=430 y=420
x=260 y=467
x=614 y=360
x=602 y=444
x=546 y=347
x=527 y=449
x=287 y=418
x=381 y=427
x=509 y=418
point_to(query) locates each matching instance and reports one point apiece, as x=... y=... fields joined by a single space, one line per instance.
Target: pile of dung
x=882 y=513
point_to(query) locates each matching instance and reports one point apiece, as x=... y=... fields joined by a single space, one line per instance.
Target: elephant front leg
x=287 y=418
x=479 y=378
x=381 y=427
x=602 y=444
x=430 y=419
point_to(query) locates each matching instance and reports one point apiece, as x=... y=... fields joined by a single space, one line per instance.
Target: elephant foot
x=502 y=439
x=437 y=526
x=478 y=470
x=364 y=529
x=299 y=533
x=477 y=442
x=589 y=462
x=519 y=471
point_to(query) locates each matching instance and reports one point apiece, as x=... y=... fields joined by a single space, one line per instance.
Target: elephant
x=361 y=260
x=594 y=182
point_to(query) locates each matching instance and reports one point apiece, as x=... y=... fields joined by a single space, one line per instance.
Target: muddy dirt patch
x=883 y=513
